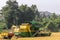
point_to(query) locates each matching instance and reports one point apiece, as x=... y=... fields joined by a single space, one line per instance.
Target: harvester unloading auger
x=43 y=31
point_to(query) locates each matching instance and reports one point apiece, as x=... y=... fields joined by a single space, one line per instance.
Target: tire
x=49 y=34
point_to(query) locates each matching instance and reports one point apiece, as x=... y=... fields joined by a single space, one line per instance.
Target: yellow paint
x=4 y=34
x=1 y=36
x=25 y=27
x=13 y=26
x=16 y=30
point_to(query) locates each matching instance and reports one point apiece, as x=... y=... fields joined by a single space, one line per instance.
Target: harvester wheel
x=49 y=34
x=5 y=37
x=9 y=37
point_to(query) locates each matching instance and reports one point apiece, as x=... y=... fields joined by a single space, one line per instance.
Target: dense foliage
x=15 y=15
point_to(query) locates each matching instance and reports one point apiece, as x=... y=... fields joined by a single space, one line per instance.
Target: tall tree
x=16 y=15
x=11 y=13
x=27 y=13
x=36 y=12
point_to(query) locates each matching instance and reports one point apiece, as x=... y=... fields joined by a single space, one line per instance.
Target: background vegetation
x=15 y=15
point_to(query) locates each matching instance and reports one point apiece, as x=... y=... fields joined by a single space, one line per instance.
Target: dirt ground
x=54 y=36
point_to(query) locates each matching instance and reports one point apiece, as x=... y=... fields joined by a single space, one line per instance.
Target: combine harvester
x=32 y=29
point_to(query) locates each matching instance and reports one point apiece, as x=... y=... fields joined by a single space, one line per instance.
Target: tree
x=15 y=15
x=53 y=16
x=27 y=13
x=36 y=12
x=11 y=13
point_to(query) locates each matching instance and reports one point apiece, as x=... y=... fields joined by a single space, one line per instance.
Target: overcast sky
x=43 y=5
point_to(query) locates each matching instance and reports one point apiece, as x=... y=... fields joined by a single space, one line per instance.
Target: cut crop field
x=54 y=36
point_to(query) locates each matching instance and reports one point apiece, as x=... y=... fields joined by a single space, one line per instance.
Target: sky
x=52 y=6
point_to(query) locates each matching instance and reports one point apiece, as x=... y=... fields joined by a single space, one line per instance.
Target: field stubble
x=54 y=36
